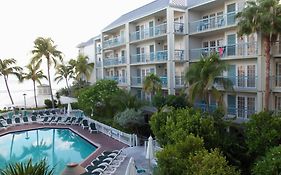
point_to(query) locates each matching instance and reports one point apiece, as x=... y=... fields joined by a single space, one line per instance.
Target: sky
x=67 y=22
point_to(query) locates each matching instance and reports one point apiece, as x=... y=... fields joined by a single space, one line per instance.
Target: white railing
x=155 y=144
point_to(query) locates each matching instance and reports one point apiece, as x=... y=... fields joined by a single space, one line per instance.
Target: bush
x=48 y=103
x=97 y=98
x=263 y=132
x=130 y=118
x=204 y=162
x=173 y=159
x=176 y=101
x=172 y=126
x=270 y=163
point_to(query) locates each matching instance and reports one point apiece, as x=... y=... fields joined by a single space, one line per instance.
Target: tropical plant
x=7 y=68
x=64 y=72
x=264 y=17
x=44 y=48
x=35 y=74
x=263 y=132
x=270 y=163
x=82 y=67
x=124 y=100
x=152 y=83
x=28 y=168
x=203 y=76
x=204 y=162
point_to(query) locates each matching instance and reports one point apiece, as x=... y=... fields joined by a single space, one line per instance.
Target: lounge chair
x=17 y=121
x=41 y=113
x=33 y=118
x=66 y=120
x=9 y=121
x=53 y=112
x=85 y=124
x=25 y=120
x=79 y=120
x=57 y=120
x=93 y=128
x=2 y=126
x=47 y=112
x=50 y=120
x=35 y=113
x=45 y=119
x=71 y=121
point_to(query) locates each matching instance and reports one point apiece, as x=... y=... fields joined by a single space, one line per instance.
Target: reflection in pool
x=58 y=146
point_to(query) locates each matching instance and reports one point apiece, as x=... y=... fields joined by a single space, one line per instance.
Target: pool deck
x=102 y=141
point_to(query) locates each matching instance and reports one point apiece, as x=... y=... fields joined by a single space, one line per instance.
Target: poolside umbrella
x=69 y=109
x=131 y=168
x=73 y=169
x=149 y=151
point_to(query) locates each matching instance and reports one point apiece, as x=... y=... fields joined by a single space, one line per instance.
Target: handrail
x=150 y=32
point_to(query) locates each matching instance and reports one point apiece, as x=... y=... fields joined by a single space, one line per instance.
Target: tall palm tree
x=264 y=17
x=44 y=48
x=7 y=68
x=64 y=72
x=202 y=77
x=82 y=68
x=35 y=74
x=152 y=83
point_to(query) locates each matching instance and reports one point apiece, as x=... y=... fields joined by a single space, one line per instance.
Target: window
x=251 y=76
x=246 y=106
x=278 y=74
x=277 y=103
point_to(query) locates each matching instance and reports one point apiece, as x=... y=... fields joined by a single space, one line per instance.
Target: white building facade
x=166 y=36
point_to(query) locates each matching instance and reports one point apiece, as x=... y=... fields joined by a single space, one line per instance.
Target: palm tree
x=82 y=68
x=45 y=48
x=264 y=17
x=35 y=74
x=202 y=77
x=152 y=83
x=7 y=68
x=28 y=168
x=64 y=72
x=124 y=100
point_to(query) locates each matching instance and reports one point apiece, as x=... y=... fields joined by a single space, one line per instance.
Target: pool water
x=58 y=146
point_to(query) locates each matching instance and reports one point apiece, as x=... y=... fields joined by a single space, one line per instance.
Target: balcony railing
x=204 y=108
x=149 y=32
x=276 y=48
x=228 y=51
x=179 y=80
x=179 y=55
x=98 y=64
x=213 y=23
x=138 y=81
x=244 y=113
x=114 y=61
x=179 y=27
x=113 y=42
x=150 y=57
x=98 y=50
x=119 y=80
x=241 y=82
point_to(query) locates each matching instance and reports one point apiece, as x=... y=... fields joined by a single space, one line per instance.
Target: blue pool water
x=58 y=146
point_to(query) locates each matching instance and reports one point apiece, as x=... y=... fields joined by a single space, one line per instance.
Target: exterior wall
x=179 y=47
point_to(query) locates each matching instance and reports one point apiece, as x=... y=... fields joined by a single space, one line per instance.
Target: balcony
x=117 y=41
x=114 y=61
x=179 y=28
x=160 y=56
x=98 y=50
x=212 y=23
x=241 y=82
x=179 y=80
x=229 y=51
x=204 y=108
x=179 y=55
x=275 y=82
x=98 y=64
x=119 y=80
x=138 y=81
x=149 y=33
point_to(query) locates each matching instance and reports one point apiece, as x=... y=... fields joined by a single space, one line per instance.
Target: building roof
x=144 y=10
x=89 y=42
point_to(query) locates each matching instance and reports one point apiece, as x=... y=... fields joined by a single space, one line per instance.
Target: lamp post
x=24 y=97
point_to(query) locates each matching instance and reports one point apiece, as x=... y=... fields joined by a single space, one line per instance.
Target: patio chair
x=2 y=126
x=79 y=120
x=25 y=120
x=56 y=121
x=33 y=118
x=85 y=124
x=17 y=121
x=41 y=113
x=66 y=120
x=51 y=119
x=93 y=128
x=71 y=121
x=45 y=119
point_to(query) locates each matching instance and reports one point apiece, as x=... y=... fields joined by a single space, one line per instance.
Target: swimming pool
x=58 y=146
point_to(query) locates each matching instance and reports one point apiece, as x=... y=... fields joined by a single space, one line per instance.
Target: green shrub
x=270 y=163
x=263 y=132
x=48 y=103
x=205 y=163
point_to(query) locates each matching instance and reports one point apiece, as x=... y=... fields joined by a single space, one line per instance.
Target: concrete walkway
x=138 y=153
